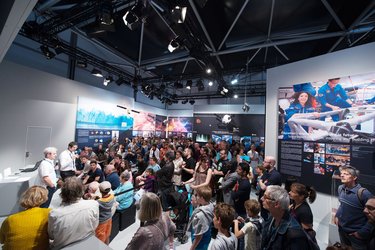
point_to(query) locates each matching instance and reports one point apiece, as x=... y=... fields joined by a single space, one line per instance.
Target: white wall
x=30 y=97
x=357 y=60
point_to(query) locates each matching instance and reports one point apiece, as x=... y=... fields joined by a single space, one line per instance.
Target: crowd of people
x=76 y=198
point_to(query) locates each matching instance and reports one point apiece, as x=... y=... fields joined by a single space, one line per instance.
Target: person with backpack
x=252 y=229
x=281 y=230
x=354 y=230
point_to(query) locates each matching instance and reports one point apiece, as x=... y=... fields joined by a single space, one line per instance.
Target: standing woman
x=300 y=209
x=27 y=229
x=177 y=168
x=157 y=228
x=202 y=175
x=303 y=102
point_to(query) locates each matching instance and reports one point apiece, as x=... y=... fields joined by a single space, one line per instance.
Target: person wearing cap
x=354 y=229
x=303 y=102
x=107 y=206
x=332 y=96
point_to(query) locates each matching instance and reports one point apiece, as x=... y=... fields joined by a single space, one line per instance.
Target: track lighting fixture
x=189 y=84
x=200 y=85
x=192 y=102
x=46 y=52
x=107 y=80
x=96 y=73
x=173 y=45
x=245 y=107
x=178 y=14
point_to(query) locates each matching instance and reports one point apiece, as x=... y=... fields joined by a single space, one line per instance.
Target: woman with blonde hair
x=27 y=229
x=157 y=226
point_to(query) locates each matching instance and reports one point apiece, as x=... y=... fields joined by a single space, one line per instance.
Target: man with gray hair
x=354 y=230
x=46 y=173
x=281 y=230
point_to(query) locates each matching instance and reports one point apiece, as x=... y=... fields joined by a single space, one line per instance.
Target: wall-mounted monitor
x=202 y=138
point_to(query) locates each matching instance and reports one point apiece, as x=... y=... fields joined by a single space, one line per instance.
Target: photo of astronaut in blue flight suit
x=332 y=96
x=303 y=102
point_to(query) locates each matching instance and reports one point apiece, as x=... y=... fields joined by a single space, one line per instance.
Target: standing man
x=241 y=193
x=254 y=161
x=154 y=152
x=271 y=177
x=46 y=173
x=281 y=230
x=67 y=161
x=370 y=214
x=333 y=97
x=354 y=230
x=188 y=165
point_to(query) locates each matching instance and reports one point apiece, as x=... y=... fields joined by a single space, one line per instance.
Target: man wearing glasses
x=281 y=230
x=354 y=230
x=370 y=214
x=271 y=177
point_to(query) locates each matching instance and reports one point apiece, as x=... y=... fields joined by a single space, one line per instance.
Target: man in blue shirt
x=333 y=97
x=354 y=229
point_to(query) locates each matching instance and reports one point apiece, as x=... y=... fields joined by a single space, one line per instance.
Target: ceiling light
x=131 y=20
x=96 y=73
x=234 y=81
x=210 y=83
x=208 y=70
x=179 y=14
x=46 y=52
x=173 y=45
x=200 y=85
x=81 y=64
x=105 y=13
x=235 y=96
x=189 y=84
x=191 y=102
x=107 y=80
x=178 y=85
x=245 y=107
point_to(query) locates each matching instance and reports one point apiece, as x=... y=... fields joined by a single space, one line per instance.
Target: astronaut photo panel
x=327 y=124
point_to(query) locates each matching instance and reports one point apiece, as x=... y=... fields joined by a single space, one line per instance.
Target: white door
x=37 y=139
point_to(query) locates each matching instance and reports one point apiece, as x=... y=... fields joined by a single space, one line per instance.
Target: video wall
x=98 y=122
x=246 y=128
x=327 y=124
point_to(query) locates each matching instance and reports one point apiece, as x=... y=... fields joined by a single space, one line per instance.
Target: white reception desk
x=11 y=188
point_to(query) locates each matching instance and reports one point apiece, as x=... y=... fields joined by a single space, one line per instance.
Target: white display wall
x=357 y=60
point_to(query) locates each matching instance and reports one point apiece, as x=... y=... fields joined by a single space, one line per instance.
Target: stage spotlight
x=105 y=13
x=46 y=52
x=200 y=85
x=208 y=70
x=96 y=73
x=189 y=84
x=107 y=80
x=81 y=64
x=245 y=107
x=234 y=81
x=178 y=14
x=210 y=83
x=173 y=45
x=184 y=101
x=178 y=85
x=191 y=102
x=235 y=96
x=133 y=17
x=223 y=90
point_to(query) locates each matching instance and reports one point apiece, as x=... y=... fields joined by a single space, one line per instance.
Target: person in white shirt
x=67 y=161
x=76 y=219
x=46 y=173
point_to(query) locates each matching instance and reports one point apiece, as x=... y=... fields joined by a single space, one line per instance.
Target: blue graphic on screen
x=100 y=115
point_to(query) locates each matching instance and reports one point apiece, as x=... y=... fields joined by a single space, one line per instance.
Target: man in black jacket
x=164 y=179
